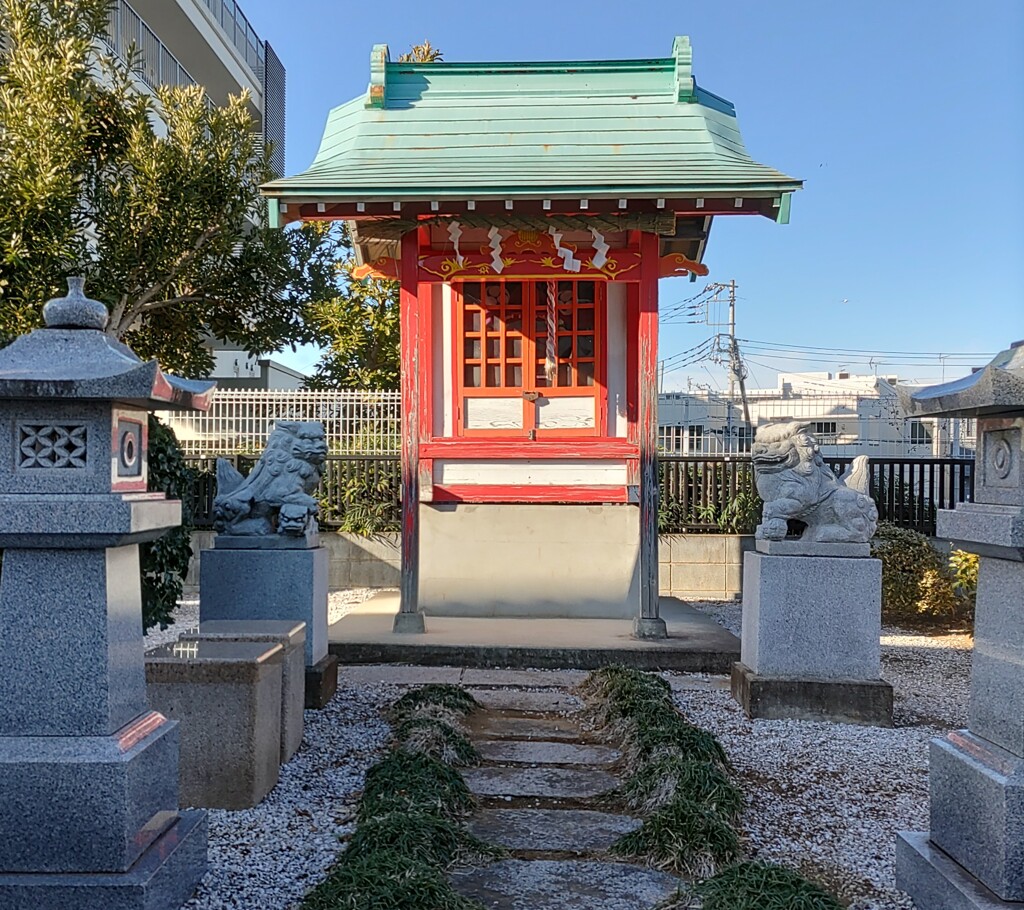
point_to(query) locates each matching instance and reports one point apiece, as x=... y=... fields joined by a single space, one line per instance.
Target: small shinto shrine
x=528 y=211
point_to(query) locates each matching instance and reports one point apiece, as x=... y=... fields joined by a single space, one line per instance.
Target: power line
x=775 y=345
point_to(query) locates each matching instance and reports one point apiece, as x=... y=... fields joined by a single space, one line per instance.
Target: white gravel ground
x=829 y=798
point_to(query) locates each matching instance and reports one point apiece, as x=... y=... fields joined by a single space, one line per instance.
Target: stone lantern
x=88 y=774
x=973 y=856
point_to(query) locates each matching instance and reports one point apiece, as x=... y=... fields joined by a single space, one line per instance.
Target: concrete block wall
x=691 y=566
x=702 y=566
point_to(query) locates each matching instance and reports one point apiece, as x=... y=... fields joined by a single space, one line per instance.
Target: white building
x=850 y=415
x=209 y=42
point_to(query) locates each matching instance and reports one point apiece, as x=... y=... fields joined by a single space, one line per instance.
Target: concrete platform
x=696 y=643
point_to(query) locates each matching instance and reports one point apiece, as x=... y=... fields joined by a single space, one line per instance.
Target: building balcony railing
x=154 y=63
x=239 y=32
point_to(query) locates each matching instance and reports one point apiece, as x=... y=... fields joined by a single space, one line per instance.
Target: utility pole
x=737 y=373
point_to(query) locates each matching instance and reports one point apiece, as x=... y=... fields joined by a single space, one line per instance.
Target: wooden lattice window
x=529 y=357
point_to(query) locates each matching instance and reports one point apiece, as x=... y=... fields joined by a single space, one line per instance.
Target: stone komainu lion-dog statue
x=795 y=483
x=276 y=497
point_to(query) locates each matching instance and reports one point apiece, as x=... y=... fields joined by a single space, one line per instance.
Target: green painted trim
x=273 y=212
x=426 y=194
x=782 y=215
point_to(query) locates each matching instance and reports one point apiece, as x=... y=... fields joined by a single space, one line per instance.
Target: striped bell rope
x=549 y=352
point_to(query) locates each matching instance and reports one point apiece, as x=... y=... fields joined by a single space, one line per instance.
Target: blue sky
x=904 y=117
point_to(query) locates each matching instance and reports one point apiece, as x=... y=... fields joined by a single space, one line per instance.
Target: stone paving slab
x=556 y=830
x=397 y=674
x=499 y=726
x=551 y=783
x=551 y=701
x=569 y=885
x=534 y=679
x=539 y=752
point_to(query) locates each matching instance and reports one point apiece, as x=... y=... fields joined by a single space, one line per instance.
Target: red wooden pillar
x=648 y=624
x=409 y=619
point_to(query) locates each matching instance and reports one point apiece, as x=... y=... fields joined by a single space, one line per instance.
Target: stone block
x=163 y=878
x=268 y=584
x=321 y=682
x=227 y=698
x=515 y=884
x=547 y=782
x=812 y=617
x=977 y=810
x=992 y=530
x=89 y=683
x=852 y=701
x=292 y=637
x=546 y=753
x=997 y=673
x=89 y=803
x=551 y=830
x=936 y=882
x=665 y=577
x=701 y=577
x=701 y=549
x=812 y=548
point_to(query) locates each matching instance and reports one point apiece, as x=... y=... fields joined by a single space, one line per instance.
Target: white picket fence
x=239 y=421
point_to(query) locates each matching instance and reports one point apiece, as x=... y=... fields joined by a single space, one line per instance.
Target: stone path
x=538 y=788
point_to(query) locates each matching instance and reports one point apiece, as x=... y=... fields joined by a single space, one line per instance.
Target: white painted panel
x=567 y=472
x=492 y=413
x=565 y=413
x=441 y=422
x=448 y=320
x=616 y=348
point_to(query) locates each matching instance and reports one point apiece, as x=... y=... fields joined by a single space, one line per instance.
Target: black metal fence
x=715 y=494
x=699 y=494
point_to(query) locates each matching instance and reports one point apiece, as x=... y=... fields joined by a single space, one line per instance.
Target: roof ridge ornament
x=75 y=311
x=683 y=54
x=376 y=91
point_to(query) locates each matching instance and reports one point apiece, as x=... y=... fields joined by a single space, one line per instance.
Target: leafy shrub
x=443 y=695
x=413 y=782
x=670 y=775
x=386 y=881
x=762 y=886
x=916 y=584
x=964 y=567
x=437 y=738
x=421 y=837
x=164 y=562
x=682 y=836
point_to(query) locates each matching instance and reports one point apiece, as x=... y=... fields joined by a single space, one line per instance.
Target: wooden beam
x=648 y=624
x=518 y=493
x=503 y=449
x=409 y=619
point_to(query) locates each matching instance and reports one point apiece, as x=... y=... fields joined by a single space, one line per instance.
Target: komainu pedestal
x=973 y=855
x=267 y=562
x=811 y=605
x=88 y=773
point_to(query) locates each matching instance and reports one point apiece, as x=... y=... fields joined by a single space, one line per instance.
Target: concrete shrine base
x=695 y=642
x=844 y=701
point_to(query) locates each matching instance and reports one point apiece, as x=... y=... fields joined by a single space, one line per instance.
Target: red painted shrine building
x=528 y=211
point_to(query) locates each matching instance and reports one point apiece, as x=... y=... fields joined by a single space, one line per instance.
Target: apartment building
x=209 y=42
x=850 y=415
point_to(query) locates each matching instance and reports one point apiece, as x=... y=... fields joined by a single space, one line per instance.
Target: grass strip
x=445 y=695
x=683 y=837
x=436 y=738
x=668 y=775
x=763 y=886
x=413 y=782
x=386 y=881
x=419 y=836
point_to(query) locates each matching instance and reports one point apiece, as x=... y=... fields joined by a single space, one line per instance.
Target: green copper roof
x=638 y=128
